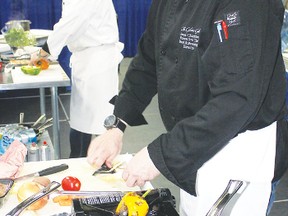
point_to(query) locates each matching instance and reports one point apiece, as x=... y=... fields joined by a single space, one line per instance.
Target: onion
x=44 y=181
x=28 y=189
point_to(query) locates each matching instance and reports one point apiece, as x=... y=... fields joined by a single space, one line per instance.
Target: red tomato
x=70 y=183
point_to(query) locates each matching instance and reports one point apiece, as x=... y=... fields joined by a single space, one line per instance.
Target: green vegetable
x=31 y=70
x=17 y=37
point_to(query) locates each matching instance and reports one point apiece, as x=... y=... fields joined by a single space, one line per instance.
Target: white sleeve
x=73 y=23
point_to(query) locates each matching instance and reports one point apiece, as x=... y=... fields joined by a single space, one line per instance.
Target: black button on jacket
x=218 y=71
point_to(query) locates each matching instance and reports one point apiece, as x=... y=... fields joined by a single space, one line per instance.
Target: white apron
x=249 y=157
x=89 y=29
x=94 y=83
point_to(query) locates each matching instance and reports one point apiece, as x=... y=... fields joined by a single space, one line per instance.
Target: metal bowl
x=14 y=23
x=5 y=186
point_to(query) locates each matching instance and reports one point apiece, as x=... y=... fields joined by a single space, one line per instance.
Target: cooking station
x=79 y=167
x=52 y=78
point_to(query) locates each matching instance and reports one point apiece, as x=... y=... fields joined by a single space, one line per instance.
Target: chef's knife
x=48 y=171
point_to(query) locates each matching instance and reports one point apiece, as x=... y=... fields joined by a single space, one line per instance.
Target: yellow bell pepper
x=134 y=204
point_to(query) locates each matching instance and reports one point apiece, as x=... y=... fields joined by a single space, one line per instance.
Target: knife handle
x=52 y=170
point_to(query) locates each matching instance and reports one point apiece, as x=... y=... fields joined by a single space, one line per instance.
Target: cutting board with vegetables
x=78 y=168
x=53 y=73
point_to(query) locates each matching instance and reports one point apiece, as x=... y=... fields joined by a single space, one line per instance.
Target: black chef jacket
x=218 y=71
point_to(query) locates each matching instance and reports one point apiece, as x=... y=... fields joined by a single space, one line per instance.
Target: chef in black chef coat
x=217 y=68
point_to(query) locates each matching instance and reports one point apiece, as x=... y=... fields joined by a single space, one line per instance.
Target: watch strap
x=121 y=125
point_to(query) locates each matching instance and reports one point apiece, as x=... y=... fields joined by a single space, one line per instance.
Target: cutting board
x=79 y=168
x=53 y=73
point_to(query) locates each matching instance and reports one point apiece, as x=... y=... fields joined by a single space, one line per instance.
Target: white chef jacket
x=89 y=29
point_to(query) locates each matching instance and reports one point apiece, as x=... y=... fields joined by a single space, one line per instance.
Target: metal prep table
x=6 y=83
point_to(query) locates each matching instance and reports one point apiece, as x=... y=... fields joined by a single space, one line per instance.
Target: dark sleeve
x=140 y=83
x=247 y=76
x=46 y=48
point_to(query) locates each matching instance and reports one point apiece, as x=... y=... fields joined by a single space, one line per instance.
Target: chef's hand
x=38 y=55
x=140 y=169
x=34 y=58
x=104 y=148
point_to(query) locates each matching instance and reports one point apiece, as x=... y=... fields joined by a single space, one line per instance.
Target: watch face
x=110 y=121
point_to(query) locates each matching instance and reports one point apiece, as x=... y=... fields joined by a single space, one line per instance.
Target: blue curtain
x=132 y=21
x=42 y=13
x=45 y=13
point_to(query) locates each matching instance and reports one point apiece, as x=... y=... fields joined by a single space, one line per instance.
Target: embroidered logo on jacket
x=189 y=37
x=233 y=18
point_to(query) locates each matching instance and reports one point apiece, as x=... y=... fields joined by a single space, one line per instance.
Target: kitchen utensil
x=48 y=171
x=21 y=118
x=30 y=200
x=39 y=120
x=231 y=189
x=5 y=186
x=26 y=56
x=48 y=121
x=86 y=193
x=63 y=214
x=105 y=170
x=160 y=200
x=43 y=128
x=24 y=23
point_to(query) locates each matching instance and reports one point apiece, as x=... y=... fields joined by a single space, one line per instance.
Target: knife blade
x=88 y=193
x=44 y=172
x=106 y=170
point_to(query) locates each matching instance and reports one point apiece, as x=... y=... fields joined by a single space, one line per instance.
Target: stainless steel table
x=6 y=83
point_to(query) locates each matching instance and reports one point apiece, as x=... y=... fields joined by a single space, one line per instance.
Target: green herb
x=17 y=37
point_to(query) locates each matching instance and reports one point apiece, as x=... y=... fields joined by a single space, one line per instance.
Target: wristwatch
x=113 y=122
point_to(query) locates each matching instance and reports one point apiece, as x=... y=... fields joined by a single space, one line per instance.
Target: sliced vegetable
x=70 y=183
x=31 y=70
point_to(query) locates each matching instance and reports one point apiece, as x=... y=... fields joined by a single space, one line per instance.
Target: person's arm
x=72 y=24
x=128 y=107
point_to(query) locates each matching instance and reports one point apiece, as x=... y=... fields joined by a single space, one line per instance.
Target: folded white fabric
x=12 y=160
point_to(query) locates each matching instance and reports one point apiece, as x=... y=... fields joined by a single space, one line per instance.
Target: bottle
x=45 y=152
x=33 y=152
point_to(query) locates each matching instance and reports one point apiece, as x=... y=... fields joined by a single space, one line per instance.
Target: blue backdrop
x=45 y=13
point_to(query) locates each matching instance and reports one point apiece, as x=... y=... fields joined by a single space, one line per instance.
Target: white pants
x=249 y=157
